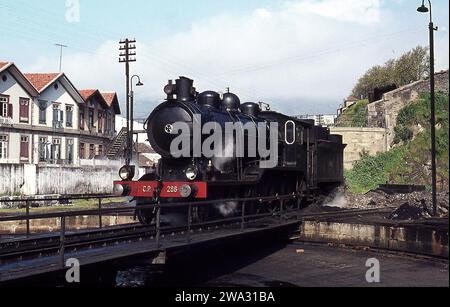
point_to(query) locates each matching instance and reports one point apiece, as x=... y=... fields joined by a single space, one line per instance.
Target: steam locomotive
x=305 y=159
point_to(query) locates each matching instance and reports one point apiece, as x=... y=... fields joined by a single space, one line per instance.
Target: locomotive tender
x=309 y=159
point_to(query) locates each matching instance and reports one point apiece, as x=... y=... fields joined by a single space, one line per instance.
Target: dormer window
x=24 y=112
x=42 y=112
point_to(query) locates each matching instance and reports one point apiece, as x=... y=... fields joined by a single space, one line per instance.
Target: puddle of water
x=72 y=223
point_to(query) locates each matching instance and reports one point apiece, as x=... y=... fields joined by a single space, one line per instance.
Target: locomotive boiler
x=257 y=153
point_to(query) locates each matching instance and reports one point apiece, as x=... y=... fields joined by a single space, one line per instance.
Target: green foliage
x=409 y=162
x=411 y=66
x=372 y=171
x=402 y=134
x=355 y=116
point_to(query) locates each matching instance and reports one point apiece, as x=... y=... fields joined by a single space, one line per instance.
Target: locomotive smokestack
x=185 y=89
x=170 y=90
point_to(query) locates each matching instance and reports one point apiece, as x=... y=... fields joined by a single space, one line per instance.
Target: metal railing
x=63 y=199
x=243 y=219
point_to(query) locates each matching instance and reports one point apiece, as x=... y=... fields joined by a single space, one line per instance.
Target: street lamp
x=130 y=136
x=424 y=9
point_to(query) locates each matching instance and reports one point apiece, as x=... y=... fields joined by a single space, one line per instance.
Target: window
x=69 y=151
x=107 y=124
x=69 y=116
x=58 y=116
x=91 y=151
x=24 y=147
x=44 y=150
x=42 y=112
x=91 y=118
x=24 y=111
x=100 y=122
x=82 y=151
x=6 y=109
x=100 y=150
x=56 y=150
x=81 y=119
x=3 y=147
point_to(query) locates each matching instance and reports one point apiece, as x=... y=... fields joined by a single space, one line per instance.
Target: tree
x=411 y=66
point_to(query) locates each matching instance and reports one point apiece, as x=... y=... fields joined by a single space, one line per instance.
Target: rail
x=243 y=219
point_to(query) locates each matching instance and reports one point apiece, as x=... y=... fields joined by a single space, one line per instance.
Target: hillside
x=409 y=162
x=354 y=116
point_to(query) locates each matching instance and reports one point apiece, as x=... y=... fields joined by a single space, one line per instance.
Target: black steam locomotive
x=305 y=160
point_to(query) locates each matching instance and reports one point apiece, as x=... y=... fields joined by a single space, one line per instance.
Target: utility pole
x=61 y=46
x=127 y=55
x=432 y=29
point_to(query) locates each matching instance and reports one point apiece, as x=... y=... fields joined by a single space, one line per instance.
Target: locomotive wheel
x=145 y=216
x=302 y=193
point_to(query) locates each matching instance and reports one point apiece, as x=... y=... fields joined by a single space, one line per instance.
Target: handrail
x=59 y=198
x=103 y=211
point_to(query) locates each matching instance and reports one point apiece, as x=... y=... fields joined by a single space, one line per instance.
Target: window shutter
x=24 y=150
x=10 y=110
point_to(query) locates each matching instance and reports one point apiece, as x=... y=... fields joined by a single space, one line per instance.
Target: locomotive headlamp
x=126 y=172
x=186 y=191
x=118 y=190
x=191 y=173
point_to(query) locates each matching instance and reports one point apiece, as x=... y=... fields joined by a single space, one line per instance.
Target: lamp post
x=130 y=136
x=424 y=9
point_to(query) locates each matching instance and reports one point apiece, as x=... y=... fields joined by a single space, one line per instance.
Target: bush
x=402 y=134
x=371 y=171
x=409 y=163
x=355 y=116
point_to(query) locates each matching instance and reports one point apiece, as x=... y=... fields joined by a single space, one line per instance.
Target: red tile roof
x=41 y=81
x=145 y=148
x=3 y=64
x=109 y=98
x=86 y=94
x=351 y=98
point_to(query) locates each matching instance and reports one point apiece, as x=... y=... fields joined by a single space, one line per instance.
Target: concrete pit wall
x=425 y=241
x=358 y=140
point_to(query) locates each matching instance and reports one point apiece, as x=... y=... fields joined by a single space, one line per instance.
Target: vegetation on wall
x=410 y=67
x=355 y=116
x=410 y=161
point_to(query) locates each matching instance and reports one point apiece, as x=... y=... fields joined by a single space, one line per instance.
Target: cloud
x=302 y=56
x=365 y=12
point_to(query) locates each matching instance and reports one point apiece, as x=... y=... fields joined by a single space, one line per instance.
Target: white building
x=44 y=119
x=17 y=96
x=327 y=120
x=56 y=136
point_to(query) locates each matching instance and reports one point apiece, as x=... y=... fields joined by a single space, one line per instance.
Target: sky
x=300 y=56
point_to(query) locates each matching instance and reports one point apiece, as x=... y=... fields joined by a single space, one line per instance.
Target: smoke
x=338 y=200
x=224 y=159
x=228 y=208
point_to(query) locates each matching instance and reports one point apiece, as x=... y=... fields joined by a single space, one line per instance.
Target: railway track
x=42 y=245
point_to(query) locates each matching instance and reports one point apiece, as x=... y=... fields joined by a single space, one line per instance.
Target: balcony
x=56 y=161
x=58 y=125
x=6 y=121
